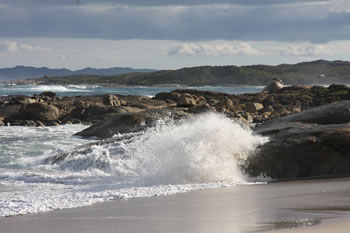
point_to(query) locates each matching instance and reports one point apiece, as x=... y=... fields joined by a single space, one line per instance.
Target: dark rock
x=338 y=87
x=49 y=94
x=294 y=88
x=254 y=107
x=80 y=104
x=54 y=123
x=335 y=113
x=315 y=142
x=37 y=111
x=301 y=150
x=201 y=109
x=174 y=96
x=128 y=122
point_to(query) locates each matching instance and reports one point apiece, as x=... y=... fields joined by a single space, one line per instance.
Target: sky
x=171 y=34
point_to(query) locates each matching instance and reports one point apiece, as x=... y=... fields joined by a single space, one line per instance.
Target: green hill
x=315 y=72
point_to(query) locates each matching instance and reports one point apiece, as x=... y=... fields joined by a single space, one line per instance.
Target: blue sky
x=169 y=34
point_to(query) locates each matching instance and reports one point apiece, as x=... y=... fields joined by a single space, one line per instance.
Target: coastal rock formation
x=315 y=142
x=274 y=86
x=253 y=108
x=128 y=122
x=38 y=111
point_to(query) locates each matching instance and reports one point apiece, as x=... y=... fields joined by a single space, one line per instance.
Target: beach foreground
x=292 y=206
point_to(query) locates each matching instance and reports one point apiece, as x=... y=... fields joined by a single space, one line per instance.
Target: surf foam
x=202 y=152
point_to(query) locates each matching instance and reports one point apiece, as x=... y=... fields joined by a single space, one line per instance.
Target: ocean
x=87 y=90
x=198 y=153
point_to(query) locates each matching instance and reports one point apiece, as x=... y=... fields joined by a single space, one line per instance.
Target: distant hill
x=26 y=72
x=307 y=73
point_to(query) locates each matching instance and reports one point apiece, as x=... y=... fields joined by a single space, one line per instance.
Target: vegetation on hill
x=315 y=72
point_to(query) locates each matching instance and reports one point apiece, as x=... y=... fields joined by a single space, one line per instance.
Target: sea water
x=205 y=151
x=84 y=90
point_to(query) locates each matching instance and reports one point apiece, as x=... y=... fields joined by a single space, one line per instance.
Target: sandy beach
x=296 y=206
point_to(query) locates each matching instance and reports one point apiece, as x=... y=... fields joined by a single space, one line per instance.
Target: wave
x=42 y=88
x=205 y=151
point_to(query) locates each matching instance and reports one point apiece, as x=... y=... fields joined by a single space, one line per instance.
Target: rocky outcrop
x=274 y=87
x=128 y=122
x=37 y=111
x=315 y=142
x=253 y=109
x=335 y=113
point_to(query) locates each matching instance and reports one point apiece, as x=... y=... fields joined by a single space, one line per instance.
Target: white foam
x=202 y=152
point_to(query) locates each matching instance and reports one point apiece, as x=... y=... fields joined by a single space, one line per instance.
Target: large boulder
x=314 y=142
x=274 y=87
x=91 y=113
x=302 y=150
x=119 y=123
x=37 y=112
x=128 y=122
x=334 y=113
x=174 y=96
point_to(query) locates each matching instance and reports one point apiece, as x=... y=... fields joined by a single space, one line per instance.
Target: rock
x=268 y=108
x=119 y=123
x=49 y=94
x=335 y=113
x=80 y=104
x=213 y=102
x=54 y=123
x=127 y=122
x=201 y=109
x=37 y=111
x=254 y=107
x=111 y=100
x=186 y=100
x=302 y=150
x=39 y=123
x=338 y=87
x=91 y=113
x=293 y=88
x=274 y=86
x=30 y=101
x=174 y=96
x=315 y=142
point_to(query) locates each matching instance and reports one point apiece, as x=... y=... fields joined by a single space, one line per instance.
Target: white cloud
x=305 y=50
x=13 y=46
x=214 y=49
x=338 y=6
x=10 y=45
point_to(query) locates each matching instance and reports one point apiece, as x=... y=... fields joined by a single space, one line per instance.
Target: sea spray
x=206 y=148
x=204 y=151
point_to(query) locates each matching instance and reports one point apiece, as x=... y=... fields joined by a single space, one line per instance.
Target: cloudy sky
x=169 y=34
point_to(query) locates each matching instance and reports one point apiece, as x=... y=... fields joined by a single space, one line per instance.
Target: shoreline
x=273 y=207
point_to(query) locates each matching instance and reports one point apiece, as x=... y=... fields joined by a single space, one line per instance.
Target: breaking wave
x=205 y=151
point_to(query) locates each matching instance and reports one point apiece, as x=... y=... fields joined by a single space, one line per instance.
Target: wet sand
x=298 y=206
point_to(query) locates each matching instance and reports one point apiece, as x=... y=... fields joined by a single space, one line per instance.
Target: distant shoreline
x=306 y=73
